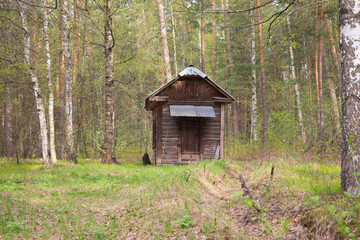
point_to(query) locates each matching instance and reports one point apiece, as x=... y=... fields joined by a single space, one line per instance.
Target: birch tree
x=253 y=131
x=35 y=84
x=69 y=129
x=350 y=75
x=109 y=43
x=296 y=86
x=51 y=89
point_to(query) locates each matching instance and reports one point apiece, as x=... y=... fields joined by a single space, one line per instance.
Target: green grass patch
x=95 y=201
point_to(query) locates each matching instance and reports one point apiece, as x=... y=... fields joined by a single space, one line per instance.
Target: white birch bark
x=296 y=86
x=253 y=131
x=350 y=76
x=51 y=89
x=70 y=148
x=109 y=141
x=36 y=86
x=164 y=39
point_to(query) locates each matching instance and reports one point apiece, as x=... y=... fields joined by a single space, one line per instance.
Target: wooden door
x=190 y=140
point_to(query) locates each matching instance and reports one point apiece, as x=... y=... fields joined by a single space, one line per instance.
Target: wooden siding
x=191 y=89
x=171 y=136
x=211 y=134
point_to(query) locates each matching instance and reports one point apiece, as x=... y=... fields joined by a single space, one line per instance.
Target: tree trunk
x=253 y=132
x=213 y=39
x=174 y=39
x=51 y=89
x=182 y=44
x=316 y=71
x=164 y=39
x=234 y=112
x=75 y=44
x=8 y=122
x=202 y=26
x=69 y=130
x=109 y=142
x=350 y=52
x=334 y=54
x=263 y=81
x=296 y=86
x=36 y=86
x=332 y=94
x=189 y=32
x=321 y=101
x=61 y=87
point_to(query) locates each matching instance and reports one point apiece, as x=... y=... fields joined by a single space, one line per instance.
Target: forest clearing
x=198 y=201
x=247 y=109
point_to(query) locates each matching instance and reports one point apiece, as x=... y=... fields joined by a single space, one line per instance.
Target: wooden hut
x=188 y=118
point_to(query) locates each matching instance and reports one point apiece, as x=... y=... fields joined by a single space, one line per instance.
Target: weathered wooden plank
x=159 y=133
x=168 y=139
x=212 y=139
x=169 y=148
x=222 y=130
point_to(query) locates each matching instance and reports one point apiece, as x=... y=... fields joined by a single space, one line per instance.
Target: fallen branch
x=243 y=185
x=292 y=211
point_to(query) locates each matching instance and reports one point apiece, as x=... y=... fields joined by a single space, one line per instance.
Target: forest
x=74 y=77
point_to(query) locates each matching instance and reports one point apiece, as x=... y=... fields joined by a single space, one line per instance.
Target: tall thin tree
x=213 y=39
x=202 y=36
x=263 y=80
x=350 y=75
x=296 y=85
x=53 y=158
x=164 y=39
x=253 y=131
x=69 y=128
x=35 y=83
x=109 y=43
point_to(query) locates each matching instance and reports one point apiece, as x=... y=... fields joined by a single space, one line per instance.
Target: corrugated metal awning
x=191 y=111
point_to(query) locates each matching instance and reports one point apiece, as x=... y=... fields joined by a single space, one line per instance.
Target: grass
x=130 y=201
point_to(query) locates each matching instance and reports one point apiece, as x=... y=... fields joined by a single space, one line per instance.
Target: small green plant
x=345 y=212
x=185 y=221
x=284 y=227
x=99 y=234
x=210 y=226
x=14 y=226
x=168 y=227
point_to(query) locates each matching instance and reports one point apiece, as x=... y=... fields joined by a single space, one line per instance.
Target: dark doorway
x=191 y=140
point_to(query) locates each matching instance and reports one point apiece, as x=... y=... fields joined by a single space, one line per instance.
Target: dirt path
x=256 y=213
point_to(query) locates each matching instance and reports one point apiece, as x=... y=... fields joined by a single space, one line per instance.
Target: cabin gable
x=191 y=89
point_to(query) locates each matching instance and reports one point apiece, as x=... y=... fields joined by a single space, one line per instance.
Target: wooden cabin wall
x=157 y=132
x=211 y=134
x=170 y=137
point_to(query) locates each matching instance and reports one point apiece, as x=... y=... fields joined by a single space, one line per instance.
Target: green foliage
x=99 y=234
x=283 y=127
x=344 y=212
x=185 y=221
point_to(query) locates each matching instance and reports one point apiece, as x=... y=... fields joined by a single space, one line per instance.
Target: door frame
x=190 y=157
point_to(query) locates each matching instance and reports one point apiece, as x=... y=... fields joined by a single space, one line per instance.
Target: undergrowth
x=203 y=200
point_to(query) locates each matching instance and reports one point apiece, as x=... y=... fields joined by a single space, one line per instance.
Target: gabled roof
x=189 y=71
